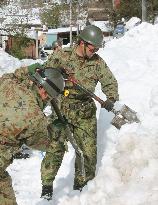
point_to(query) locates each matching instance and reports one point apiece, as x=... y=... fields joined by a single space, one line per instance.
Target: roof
x=61 y=30
x=103 y=25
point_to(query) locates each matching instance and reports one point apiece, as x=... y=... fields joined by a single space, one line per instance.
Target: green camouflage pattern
x=84 y=132
x=80 y=111
x=21 y=121
x=7 y=196
x=87 y=71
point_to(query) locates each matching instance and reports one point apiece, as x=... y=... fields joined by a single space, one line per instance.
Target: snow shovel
x=122 y=116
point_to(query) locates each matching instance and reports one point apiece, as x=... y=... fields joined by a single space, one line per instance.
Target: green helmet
x=51 y=80
x=92 y=35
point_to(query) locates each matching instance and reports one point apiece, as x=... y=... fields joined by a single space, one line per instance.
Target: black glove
x=108 y=105
x=64 y=72
x=20 y=155
x=47 y=192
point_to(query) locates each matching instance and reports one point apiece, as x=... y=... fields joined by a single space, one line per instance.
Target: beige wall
x=42 y=38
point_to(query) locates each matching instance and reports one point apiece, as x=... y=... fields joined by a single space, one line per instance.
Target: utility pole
x=144 y=10
x=70 y=23
x=36 y=34
x=77 y=22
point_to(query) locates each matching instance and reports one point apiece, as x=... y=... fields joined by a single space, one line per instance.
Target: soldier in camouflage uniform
x=22 y=119
x=56 y=46
x=88 y=68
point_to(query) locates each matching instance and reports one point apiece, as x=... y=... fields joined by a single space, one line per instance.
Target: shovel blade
x=125 y=115
x=129 y=114
x=118 y=121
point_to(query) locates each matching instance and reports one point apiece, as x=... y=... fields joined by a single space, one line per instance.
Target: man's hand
x=108 y=105
x=47 y=192
x=32 y=68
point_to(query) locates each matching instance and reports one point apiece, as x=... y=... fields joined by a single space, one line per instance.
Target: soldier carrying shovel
x=79 y=109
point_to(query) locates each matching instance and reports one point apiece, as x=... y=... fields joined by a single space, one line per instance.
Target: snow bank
x=8 y=63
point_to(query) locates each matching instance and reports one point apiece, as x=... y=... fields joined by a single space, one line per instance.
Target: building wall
x=99 y=9
x=42 y=39
x=117 y=3
x=30 y=51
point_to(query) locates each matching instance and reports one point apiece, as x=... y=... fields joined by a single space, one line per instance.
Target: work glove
x=20 y=155
x=32 y=68
x=64 y=72
x=108 y=105
x=59 y=123
x=47 y=192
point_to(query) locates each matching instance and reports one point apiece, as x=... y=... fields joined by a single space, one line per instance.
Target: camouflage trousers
x=38 y=141
x=84 y=132
x=6 y=192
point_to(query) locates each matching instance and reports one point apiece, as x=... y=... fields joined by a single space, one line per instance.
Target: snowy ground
x=127 y=158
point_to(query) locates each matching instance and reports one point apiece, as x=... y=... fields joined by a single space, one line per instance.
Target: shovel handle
x=89 y=93
x=122 y=116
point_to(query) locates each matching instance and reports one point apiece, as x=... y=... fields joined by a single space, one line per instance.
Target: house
x=99 y=10
x=117 y=4
x=60 y=33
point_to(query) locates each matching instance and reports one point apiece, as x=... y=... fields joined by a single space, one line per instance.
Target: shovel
x=122 y=116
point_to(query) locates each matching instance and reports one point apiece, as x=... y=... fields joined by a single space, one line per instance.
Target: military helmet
x=56 y=44
x=51 y=80
x=92 y=35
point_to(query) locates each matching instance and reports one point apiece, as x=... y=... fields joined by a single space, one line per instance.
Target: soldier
x=83 y=64
x=56 y=46
x=22 y=119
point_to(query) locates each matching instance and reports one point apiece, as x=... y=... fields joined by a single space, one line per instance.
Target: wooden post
x=36 y=44
x=70 y=22
x=144 y=16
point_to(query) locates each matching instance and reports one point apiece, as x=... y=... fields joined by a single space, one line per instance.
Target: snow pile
x=129 y=165
x=8 y=63
x=134 y=21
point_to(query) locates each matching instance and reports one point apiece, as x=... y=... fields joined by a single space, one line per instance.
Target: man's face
x=57 y=48
x=90 y=50
x=86 y=50
x=43 y=93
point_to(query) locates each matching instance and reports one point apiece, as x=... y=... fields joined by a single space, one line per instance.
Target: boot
x=20 y=155
x=23 y=153
x=47 y=192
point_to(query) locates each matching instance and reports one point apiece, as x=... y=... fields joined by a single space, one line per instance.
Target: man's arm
x=54 y=61
x=108 y=82
x=22 y=72
x=57 y=59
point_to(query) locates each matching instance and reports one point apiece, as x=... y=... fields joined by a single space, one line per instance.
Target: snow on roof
x=103 y=25
x=14 y=14
x=61 y=30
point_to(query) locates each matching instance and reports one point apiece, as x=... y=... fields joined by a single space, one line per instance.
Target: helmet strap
x=84 y=50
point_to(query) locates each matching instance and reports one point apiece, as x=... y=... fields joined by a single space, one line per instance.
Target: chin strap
x=85 y=53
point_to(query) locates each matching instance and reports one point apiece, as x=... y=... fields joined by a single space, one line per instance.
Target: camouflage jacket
x=87 y=71
x=21 y=117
